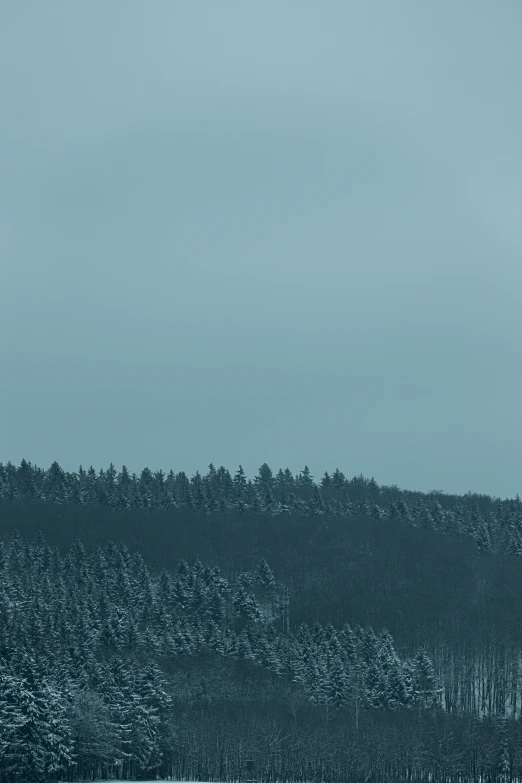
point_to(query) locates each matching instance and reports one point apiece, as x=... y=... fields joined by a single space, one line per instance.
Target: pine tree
x=255 y=503
x=265 y=477
x=317 y=503
x=8 y=490
x=242 y=650
x=369 y=646
x=407 y=683
x=264 y=575
x=111 y=487
x=210 y=478
x=93 y=731
x=338 y=480
x=36 y=741
x=145 y=719
x=376 y=685
x=398 y=693
x=475 y=521
x=514 y=545
x=461 y=518
x=289 y=479
x=318 y=679
x=145 y=490
x=376 y=512
x=199 y=495
x=240 y=483
x=393 y=512
x=296 y=505
x=305 y=479
x=245 y=606
x=25 y=481
x=267 y=500
x=54 y=484
x=284 y=503
x=298 y=665
x=438 y=515
x=424 y=680
x=338 y=685
x=403 y=511
x=326 y=481
x=482 y=537
x=211 y=505
x=117 y=687
x=280 y=481
x=425 y=519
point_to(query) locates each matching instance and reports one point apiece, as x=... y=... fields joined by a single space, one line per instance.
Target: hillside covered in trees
x=221 y=628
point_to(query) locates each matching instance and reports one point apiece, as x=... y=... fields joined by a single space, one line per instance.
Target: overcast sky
x=281 y=231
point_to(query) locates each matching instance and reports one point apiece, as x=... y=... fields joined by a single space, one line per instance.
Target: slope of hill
x=310 y=635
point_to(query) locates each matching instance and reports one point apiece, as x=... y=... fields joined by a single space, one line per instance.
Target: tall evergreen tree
x=265 y=478
x=36 y=741
x=424 y=680
x=240 y=483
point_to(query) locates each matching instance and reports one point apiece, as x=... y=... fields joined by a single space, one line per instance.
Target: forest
x=221 y=628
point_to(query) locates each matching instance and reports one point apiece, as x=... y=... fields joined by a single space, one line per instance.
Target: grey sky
x=278 y=231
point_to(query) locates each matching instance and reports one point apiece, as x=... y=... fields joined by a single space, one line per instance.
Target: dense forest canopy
x=220 y=628
x=493 y=523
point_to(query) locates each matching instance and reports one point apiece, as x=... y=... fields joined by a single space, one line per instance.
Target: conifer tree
x=482 y=537
x=305 y=478
x=26 y=482
x=338 y=685
x=265 y=477
x=289 y=479
x=424 y=680
x=264 y=575
x=280 y=481
x=403 y=511
x=36 y=741
x=240 y=483
x=54 y=485
x=317 y=503
x=438 y=515
x=284 y=503
x=267 y=499
x=338 y=480
x=326 y=481
x=376 y=512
